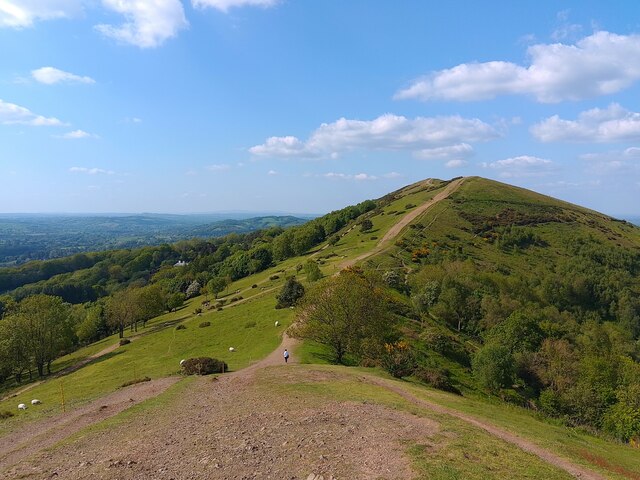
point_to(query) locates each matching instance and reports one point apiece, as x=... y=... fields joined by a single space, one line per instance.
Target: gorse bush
x=203 y=366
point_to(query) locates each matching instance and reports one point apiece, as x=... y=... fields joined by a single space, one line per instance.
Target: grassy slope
x=158 y=353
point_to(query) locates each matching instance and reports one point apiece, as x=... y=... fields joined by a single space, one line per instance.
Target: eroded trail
x=395 y=230
x=522 y=443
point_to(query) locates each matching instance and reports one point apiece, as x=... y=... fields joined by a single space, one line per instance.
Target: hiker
x=286 y=355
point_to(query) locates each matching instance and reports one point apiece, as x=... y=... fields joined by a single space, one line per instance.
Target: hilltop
x=509 y=349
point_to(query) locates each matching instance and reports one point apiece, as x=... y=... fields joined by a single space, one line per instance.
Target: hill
x=510 y=324
x=24 y=238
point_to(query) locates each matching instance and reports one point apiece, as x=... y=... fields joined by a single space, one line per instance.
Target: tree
x=46 y=326
x=122 y=310
x=313 y=271
x=174 y=301
x=366 y=225
x=193 y=289
x=348 y=313
x=493 y=367
x=216 y=285
x=291 y=292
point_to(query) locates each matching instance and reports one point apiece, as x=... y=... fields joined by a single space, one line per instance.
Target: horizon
x=214 y=106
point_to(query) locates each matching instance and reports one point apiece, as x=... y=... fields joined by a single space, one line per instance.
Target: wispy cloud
x=222 y=167
x=51 y=75
x=91 y=171
x=600 y=163
x=600 y=64
x=611 y=124
x=23 y=13
x=226 y=5
x=521 y=166
x=148 y=23
x=12 y=114
x=76 y=135
x=387 y=132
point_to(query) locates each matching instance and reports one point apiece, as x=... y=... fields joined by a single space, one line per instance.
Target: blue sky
x=309 y=106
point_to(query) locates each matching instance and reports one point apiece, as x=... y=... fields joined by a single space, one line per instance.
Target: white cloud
x=76 y=135
x=225 y=5
x=456 y=163
x=23 y=13
x=51 y=75
x=344 y=176
x=12 y=114
x=601 y=163
x=600 y=64
x=272 y=172
x=148 y=23
x=443 y=153
x=521 y=166
x=91 y=171
x=387 y=132
x=222 y=167
x=565 y=29
x=392 y=175
x=611 y=124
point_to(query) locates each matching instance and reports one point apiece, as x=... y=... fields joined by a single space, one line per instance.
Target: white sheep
x=35 y=401
x=22 y=406
x=231 y=349
x=277 y=323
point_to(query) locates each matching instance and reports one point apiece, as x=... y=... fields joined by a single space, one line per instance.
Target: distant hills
x=26 y=237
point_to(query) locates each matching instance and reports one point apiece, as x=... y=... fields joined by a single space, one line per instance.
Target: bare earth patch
x=233 y=429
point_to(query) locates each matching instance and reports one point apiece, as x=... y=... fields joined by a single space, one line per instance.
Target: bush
x=437 y=378
x=493 y=367
x=274 y=277
x=204 y=324
x=398 y=359
x=6 y=414
x=219 y=309
x=250 y=324
x=292 y=291
x=255 y=285
x=124 y=341
x=181 y=327
x=203 y=366
x=197 y=311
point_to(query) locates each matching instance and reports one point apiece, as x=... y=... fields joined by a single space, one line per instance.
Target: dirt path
x=40 y=435
x=395 y=230
x=526 y=445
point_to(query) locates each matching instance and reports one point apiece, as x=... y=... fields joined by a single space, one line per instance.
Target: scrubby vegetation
x=203 y=366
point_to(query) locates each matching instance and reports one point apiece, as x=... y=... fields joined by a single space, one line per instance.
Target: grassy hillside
x=491 y=268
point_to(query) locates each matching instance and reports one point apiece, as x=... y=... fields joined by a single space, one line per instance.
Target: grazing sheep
x=35 y=401
x=231 y=349
x=22 y=406
x=277 y=323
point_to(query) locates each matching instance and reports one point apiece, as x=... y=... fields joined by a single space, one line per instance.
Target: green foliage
x=292 y=291
x=366 y=225
x=493 y=367
x=397 y=358
x=203 y=366
x=204 y=324
x=312 y=270
x=349 y=314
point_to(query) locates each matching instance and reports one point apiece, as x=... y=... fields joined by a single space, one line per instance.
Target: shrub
x=203 y=366
x=274 y=277
x=255 y=285
x=250 y=324
x=291 y=293
x=6 y=414
x=137 y=380
x=204 y=324
x=124 y=341
x=398 y=359
x=437 y=378
x=219 y=309
x=493 y=367
x=197 y=311
x=181 y=327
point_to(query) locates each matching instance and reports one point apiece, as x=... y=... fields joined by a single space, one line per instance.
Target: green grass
x=158 y=354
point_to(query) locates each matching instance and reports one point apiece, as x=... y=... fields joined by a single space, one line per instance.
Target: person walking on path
x=286 y=355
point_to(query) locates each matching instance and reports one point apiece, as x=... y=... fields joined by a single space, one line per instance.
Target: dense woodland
x=509 y=303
